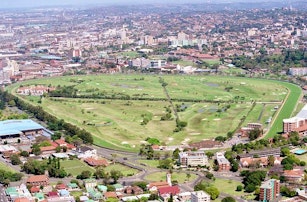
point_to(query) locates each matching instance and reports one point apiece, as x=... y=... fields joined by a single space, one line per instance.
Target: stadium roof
x=302 y=113
x=12 y=127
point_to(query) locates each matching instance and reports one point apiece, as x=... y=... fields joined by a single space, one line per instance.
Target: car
x=125 y=158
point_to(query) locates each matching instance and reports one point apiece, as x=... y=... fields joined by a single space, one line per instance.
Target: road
x=3 y=197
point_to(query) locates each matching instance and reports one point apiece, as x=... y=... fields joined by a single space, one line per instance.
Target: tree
x=188 y=176
x=239 y=188
x=209 y=154
x=15 y=160
x=141 y=184
x=285 y=151
x=36 y=150
x=213 y=192
x=100 y=173
x=228 y=199
x=24 y=153
x=115 y=175
x=166 y=163
x=176 y=154
x=58 y=149
x=271 y=160
x=110 y=188
x=84 y=175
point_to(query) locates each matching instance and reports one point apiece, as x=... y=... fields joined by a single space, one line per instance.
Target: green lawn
x=127 y=171
x=6 y=167
x=228 y=186
x=116 y=123
x=287 y=110
x=75 y=167
x=150 y=163
x=161 y=176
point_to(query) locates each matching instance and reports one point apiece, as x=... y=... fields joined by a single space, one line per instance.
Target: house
x=73 y=187
x=60 y=186
x=222 y=162
x=38 y=180
x=166 y=192
x=262 y=161
x=135 y=190
x=90 y=183
x=295 y=176
x=184 y=196
x=102 y=188
x=96 y=162
x=200 y=196
x=172 y=190
x=154 y=186
x=22 y=199
x=118 y=187
x=48 y=149
x=86 y=152
x=34 y=189
x=95 y=195
x=110 y=194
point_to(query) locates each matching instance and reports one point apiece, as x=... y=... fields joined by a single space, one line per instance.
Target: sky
x=37 y=3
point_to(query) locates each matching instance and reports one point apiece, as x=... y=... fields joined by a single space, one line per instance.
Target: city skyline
x=35 y=3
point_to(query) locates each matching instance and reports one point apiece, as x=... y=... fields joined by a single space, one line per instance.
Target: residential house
x=166 y=192
x=38 y=180
x=118 y=187
x=110 y=194
x=90 y=183
x=135 y=190
x=154 y=186
x=86 y=152
x=184 y=196
x=96 y=162
x=73 y=187
x=48 y=149
x=261 y=162
x=295 y=175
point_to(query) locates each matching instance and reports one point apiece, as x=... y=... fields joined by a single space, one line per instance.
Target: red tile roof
x=48 y=148
x=96 y=162
x=174 y=190
x=34 y=189
x=22 y=200
x=158 y=184
x=110 y=194
x=37 y=178
x=61 y=186
x=60 y=142
x=53 y=194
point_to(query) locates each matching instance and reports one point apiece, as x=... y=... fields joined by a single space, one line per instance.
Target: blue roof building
x=15 y=128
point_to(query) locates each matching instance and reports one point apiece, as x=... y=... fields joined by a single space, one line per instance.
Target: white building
x=200 y=196
x=193 y=158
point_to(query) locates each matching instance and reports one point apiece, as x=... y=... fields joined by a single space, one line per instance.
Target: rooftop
x=11 y=127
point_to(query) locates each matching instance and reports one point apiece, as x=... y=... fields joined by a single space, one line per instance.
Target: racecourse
x=114 y=107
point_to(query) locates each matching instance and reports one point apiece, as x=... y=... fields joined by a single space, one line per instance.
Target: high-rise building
x=269 y=190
